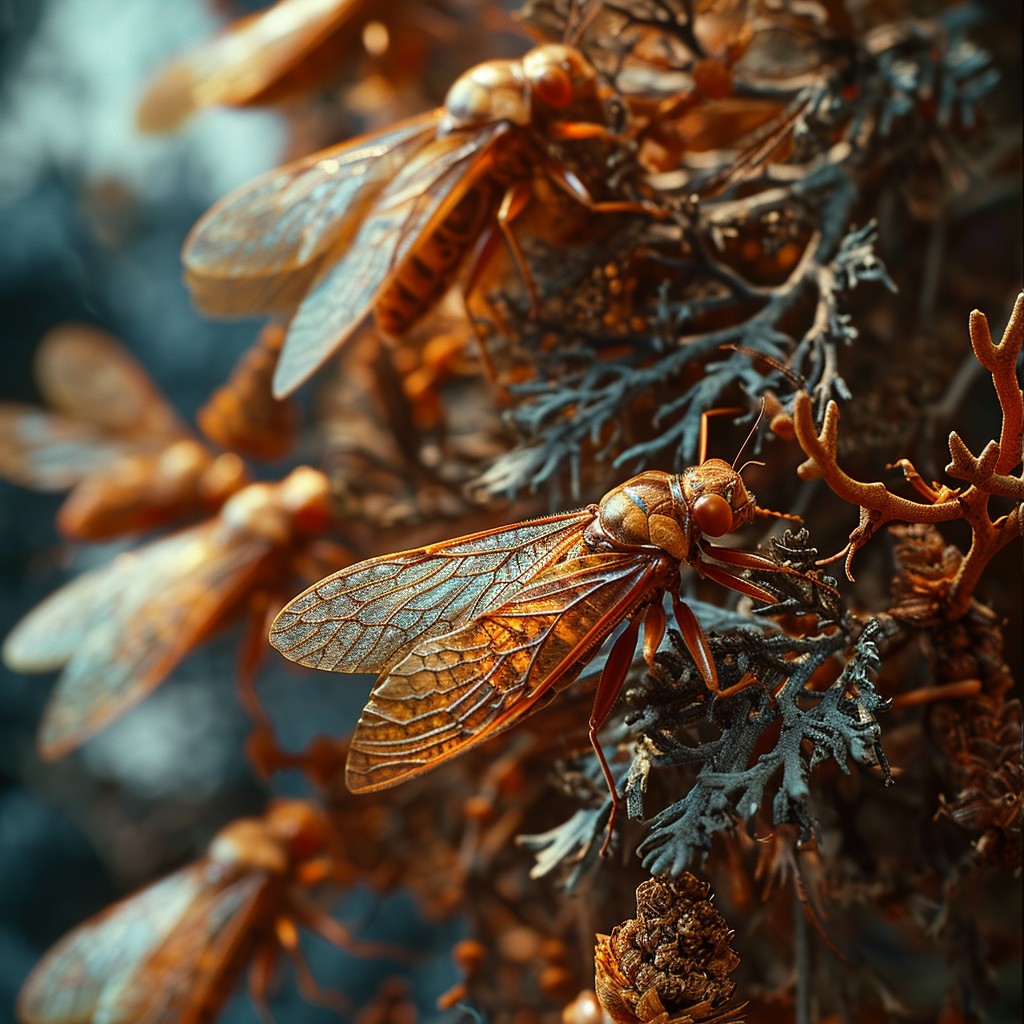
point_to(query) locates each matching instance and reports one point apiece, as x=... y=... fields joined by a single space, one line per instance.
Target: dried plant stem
x=987 y=475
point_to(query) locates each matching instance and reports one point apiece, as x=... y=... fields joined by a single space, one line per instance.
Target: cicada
x=117 y=631
x=470 y=635
x=383 y=223
x=110 y=437
x=257 y=60
x=172 y=951
x=243 y=416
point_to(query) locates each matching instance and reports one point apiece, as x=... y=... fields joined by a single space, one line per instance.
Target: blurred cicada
x=243 y=415
x=117 y=631
x=110 y=437
x=173 y=951
x=383 y=223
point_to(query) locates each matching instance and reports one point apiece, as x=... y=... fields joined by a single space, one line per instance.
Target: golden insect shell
x=663 y=508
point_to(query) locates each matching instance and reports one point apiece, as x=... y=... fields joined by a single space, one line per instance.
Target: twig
x=987 y=474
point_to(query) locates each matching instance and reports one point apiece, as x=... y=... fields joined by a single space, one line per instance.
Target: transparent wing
x=416 y=202
x=88 y=374
x=260 y=247
x=456 y=690
x=237 y=65
x=191 y=973
x=47 y=637
x=362 y=618
x=50 y=452
x=67 y=985
x=123 y=627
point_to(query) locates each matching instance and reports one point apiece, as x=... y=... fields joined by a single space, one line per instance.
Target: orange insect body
x=258 y=59
x=382 y=223
x=243 y=415
x=471 y=635
x=117 y=631
x=173 y=951
x=112 y=439
x=142 y=492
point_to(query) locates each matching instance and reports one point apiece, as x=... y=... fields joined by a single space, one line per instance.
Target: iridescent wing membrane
x=118 y=630
x=326 y=233
x=260 y=247
x=149 y=957
x=416 y=202
x=105 y=407
x=455 y=691
x=364 y=618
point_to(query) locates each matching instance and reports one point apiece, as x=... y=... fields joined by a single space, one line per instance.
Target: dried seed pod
x=670 y=964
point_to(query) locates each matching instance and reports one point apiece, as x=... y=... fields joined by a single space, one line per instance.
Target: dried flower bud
x=670 y=964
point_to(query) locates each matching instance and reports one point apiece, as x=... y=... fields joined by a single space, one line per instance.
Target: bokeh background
x=92 y=218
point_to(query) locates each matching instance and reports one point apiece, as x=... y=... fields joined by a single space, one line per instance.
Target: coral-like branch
x=987 y=474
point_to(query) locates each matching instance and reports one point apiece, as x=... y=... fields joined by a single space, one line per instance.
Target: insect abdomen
x=428 y=270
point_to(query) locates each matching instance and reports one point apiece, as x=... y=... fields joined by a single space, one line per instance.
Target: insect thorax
x=647 y=511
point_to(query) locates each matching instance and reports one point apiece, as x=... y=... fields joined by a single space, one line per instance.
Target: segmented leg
x=513 y=203
x=704 y=417
x=261 y=969
x=310 y=916
x=737 y=583
x=573 y=187
x=288 y=936
x=654 y=630
x=750 y=560
x=261 y=745
x=478 y=260
x=696 y=642
x=615 y=669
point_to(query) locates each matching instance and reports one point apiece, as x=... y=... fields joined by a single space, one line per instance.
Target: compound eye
x=713 y=515
x=554 y=87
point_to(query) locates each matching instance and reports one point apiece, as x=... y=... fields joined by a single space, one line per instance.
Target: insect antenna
x=750 y=437
x=796 y=380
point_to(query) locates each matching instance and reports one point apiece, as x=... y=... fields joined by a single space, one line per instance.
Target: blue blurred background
x=92 y=218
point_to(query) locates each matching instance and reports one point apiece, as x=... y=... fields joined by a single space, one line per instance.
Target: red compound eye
x=554 y=88
x=713 y=515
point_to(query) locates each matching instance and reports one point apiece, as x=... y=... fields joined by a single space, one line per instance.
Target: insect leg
x=615 y=668
x=310 y=916
x=261 y=745
x=573 y=187
x=737 y=583
x=750 y=560
x=288 y=936
x=704 y=417
x=749 y=679
x=569 y=130
x=744 y=559
x=654 y=630
x=696 y=642
x=261 y=968
x=515 y=200
x=482 y=252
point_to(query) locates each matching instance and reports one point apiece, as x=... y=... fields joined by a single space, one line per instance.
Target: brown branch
x=878 y=504
x=1001 y=361
x=988 y=474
